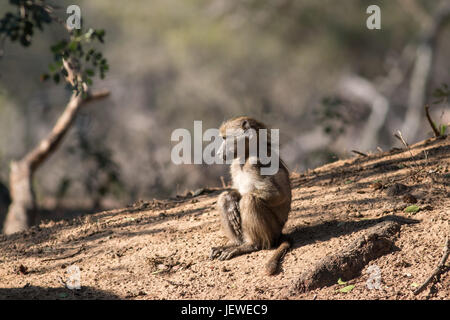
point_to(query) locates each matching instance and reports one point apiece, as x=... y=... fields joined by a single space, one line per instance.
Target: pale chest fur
x=245 y=180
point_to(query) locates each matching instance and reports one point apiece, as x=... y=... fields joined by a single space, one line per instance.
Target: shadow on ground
x=303 y=235
x=42 y=293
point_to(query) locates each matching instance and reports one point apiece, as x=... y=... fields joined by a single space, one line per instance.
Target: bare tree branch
x=52 y=141
x=436 y=132
x=22 y=210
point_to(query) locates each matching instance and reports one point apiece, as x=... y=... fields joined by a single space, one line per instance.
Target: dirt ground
x=159 y=249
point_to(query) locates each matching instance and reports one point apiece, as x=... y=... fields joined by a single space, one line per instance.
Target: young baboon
x=254 y=212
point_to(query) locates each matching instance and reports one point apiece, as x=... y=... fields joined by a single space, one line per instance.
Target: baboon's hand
x=215 y=251
x=222 y=253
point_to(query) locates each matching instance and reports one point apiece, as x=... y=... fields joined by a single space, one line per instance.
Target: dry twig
x=440 y=269
x=360 y=153
x=437 y=134
x=399 y=136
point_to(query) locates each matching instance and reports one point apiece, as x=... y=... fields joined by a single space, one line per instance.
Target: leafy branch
x=442 y=94
x=86 y=63
x=78 y=48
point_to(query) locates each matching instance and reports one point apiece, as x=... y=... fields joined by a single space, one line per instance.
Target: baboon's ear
x=245 y=124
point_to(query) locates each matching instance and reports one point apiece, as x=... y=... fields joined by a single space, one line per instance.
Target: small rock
x=259 y=290
x=409 y=198
x=161 y=266
x=225 y=269
x=22 y=269
x=377 y=186
x=396 y=189
x=397 y=207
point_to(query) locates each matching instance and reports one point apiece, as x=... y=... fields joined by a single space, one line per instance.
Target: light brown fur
x=254 y=212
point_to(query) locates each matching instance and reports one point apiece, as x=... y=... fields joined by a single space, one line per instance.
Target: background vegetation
x=293 y=64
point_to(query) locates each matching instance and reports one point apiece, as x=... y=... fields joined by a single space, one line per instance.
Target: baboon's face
x=235 y=131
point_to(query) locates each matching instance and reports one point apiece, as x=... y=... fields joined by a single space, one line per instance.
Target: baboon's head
x=239 y=130
x=239 y=125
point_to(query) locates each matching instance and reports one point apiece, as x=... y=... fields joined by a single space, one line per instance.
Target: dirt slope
x=159 y=250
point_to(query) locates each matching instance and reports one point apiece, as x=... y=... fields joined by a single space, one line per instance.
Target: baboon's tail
x=273 y=264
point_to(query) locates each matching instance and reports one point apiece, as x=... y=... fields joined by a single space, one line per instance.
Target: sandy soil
x=159 y=249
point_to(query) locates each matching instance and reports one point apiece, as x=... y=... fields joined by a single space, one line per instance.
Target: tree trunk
x=22 y=210
x=5 y=201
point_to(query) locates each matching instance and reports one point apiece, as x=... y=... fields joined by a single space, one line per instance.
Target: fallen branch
x=440 y=269
x=348 y=263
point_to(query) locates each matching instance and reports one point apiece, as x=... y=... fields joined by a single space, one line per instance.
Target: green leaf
x=90 y=72
x=52 y=67
x=73 y=45
x=348 y=181
x=56 y=78
x=341 y=282
x=63 y=295
x=414 y=285
x=59 y=46
x=347 y=288
x=412 y=209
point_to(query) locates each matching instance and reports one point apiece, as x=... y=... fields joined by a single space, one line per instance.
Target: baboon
x=255 y=210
